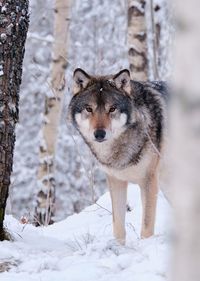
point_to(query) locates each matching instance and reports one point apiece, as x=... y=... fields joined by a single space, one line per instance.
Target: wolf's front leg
x=118 y=192
x=149 y=191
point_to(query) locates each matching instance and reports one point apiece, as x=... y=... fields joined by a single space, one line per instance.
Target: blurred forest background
x=54 y=173
x=97 y=42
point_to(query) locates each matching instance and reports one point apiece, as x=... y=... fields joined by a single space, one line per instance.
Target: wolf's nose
x=99 y=135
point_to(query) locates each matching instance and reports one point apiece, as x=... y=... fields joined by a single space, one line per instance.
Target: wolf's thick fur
x=123 y=123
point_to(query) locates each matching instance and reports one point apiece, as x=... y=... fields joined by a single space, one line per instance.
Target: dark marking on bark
x=141 y=37
x=157 y=8
x=143 y=60
x=133 y=11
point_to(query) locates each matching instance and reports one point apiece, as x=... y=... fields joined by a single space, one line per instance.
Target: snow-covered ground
x=82 y=248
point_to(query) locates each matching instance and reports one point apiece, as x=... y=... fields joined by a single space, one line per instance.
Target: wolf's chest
x=134 y=173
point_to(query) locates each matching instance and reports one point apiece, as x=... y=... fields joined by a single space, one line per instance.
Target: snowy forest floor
x=82 y=248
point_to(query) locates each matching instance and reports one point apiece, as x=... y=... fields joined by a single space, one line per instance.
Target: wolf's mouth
x=100 y=140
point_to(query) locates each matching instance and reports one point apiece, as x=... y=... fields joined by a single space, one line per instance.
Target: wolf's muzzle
x=100 y=135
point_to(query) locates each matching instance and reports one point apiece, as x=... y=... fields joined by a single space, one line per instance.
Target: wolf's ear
x=81 y=80
x=122 y=80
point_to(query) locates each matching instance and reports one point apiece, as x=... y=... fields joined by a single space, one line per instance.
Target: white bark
x=53 y=106
x=137 y=39
x=155 y=37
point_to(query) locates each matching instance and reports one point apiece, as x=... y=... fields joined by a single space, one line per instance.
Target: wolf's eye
x=88 y=109
x=112 y=109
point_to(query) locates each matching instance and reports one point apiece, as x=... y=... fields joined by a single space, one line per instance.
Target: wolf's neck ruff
x=124 y=151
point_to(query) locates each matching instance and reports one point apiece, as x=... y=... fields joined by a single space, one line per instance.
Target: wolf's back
x=162 y=87
x=142 y=88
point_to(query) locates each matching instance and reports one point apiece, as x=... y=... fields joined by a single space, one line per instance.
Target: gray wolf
x=123 y=123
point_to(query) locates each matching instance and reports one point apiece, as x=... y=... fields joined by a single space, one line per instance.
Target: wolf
x=124 y=123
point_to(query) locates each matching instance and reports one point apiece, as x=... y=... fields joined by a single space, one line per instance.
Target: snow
x=3 y=37
x=82 y=248
x=1 y=70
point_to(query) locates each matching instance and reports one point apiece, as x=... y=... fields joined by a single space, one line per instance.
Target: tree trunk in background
x=13 y=30
x=137 y=40
x=155 y=30
x=53 y=105
x=186 y=142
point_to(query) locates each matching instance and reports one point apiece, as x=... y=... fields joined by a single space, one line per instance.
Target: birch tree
x=186 y=142
x=153 y=39
x=53 y=105
x=13 y=30
x=137 y=39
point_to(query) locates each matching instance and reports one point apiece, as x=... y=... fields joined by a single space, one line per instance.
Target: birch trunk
x=137 y=40
x=155 y=38
x=53 y=105
x=186 y=142
x=13 y=30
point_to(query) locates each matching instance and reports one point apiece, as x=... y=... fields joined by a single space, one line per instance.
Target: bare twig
x=153 y=145
x=103 y=208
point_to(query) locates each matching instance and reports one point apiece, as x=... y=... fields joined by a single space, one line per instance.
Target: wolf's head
x=100 y=108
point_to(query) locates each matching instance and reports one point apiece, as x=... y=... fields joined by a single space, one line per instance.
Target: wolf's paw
x=115 y=246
